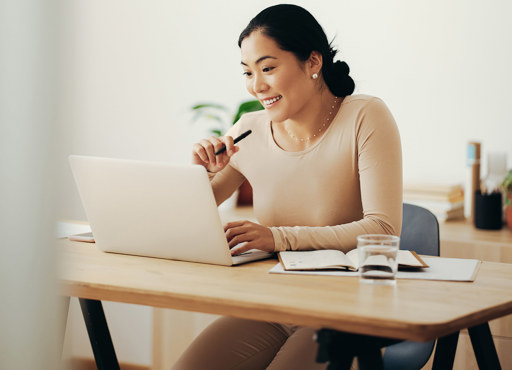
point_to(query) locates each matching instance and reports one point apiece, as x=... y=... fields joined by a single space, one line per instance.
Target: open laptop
x=153 y=209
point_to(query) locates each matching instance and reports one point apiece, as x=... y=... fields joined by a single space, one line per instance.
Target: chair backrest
x=420 y=230
x=420 y=233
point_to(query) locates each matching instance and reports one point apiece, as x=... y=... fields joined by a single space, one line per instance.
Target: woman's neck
x=309 y=123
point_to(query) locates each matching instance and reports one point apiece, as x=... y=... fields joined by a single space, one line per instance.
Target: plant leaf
x=210 y=106
x=217 y=132
x=246 y=107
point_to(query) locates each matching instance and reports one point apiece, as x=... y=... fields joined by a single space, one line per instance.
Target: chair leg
x=339 y=349
x=371 y=359
x=329 y=350
x=99 y=335
x=344 y=363
x=483 y=346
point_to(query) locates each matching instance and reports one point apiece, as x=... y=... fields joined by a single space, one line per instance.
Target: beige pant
x=238 y=344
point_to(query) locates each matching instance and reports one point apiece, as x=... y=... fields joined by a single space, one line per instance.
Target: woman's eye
x=247 y=74
x=268 y=69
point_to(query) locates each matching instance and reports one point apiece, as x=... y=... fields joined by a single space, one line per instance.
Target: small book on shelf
x=332 y=259
x=433 y=188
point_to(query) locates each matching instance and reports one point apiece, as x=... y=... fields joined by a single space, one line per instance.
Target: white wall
x=132 y=69
x=30 y=325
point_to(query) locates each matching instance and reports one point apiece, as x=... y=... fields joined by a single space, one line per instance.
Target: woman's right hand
x=203 y=153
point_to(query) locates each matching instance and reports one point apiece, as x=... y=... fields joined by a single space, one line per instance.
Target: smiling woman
x=325 y=167
x=282 y=58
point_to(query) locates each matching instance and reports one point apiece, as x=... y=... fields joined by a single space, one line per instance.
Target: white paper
x=65 y=229
x=447 y=269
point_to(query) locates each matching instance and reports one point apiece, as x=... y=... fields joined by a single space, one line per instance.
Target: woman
x=325 y=166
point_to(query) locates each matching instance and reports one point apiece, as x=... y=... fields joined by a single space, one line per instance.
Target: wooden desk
x=460 y=239
x=414 y=310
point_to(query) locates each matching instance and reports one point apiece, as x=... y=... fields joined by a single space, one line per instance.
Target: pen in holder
x=488 y=211
x=488 y=198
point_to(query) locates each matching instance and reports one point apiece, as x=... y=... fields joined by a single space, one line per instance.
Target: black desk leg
x=483 y=346
x=64 y=313
x=101 y=342
x=445 y=352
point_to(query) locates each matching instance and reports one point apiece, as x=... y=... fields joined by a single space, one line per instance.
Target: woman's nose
x=259 y=84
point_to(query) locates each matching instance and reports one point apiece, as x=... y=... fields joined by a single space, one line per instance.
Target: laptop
x=154 y=209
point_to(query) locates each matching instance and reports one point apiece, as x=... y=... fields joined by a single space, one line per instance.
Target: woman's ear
x=315 y=62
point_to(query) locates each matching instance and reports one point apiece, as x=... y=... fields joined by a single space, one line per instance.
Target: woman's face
x=281 y=82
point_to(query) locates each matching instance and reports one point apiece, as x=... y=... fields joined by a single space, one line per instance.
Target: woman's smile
x=270 y=102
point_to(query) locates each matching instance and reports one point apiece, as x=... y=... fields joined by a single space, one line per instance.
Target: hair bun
x=341 y=68
x=337 y=78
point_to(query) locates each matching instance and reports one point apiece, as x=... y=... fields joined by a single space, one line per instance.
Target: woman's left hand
x=255 y=236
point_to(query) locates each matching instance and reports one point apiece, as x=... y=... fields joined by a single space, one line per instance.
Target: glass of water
x=377 y=255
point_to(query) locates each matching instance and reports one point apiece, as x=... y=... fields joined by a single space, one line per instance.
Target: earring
x=315 y=76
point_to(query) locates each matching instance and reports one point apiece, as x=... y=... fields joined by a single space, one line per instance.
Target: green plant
x=507 y=187
x=221 y=115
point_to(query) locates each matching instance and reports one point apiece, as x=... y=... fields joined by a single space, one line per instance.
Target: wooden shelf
x=461 y=239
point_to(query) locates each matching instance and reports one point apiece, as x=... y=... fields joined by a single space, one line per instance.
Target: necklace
x=298 y=139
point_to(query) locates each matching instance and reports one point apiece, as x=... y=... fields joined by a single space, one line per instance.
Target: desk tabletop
x=413 y=309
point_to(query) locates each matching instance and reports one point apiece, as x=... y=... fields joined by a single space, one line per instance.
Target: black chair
x=420 y=233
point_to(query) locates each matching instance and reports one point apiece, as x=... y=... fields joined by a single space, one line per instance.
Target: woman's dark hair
x=295 y=30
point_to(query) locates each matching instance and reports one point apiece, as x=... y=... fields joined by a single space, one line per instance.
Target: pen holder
x=488 y=211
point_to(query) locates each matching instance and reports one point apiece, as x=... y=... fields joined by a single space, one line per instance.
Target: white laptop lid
x=152 y=209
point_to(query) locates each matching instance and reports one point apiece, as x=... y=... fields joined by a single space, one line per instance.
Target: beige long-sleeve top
x=347 y=184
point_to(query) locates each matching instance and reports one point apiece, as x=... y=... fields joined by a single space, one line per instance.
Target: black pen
x=243 y=136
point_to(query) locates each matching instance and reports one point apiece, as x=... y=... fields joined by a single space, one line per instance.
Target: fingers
x=250 y=234
x=244 y=248
x=233 y=224
x=204 y=152
x=237 y=232
x=230 y=145
x=209 y=147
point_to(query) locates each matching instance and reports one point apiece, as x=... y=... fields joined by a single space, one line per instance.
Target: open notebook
x=439 y=268
x=330 y=259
